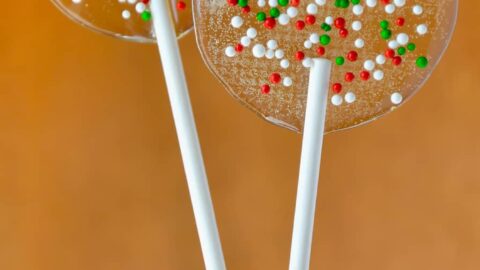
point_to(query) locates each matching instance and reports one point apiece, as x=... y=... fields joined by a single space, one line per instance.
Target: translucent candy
x=127 y=19
x=382 y=51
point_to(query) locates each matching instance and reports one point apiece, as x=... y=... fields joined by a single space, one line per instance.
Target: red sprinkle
x=299 y=55
x=246 y=9
x=343 y=33
x=270 y=23
x=400 y=21
x=232 y=2
x=145 y=1
x=365 y=75
x=390 y=53
x=265 y=89
x=385 y=2
x=239 y=47
x=181 y=5
x=349 y=76
x=397 y=60
x=310 y=19
x=275 y=78
x=337 y=88
x=321 y=51
x=339 y=23
x=352 y=56
x=300 y=25
x=294 y=3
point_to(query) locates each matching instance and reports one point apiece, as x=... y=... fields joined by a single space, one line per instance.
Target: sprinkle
x=396 y=98
x=371 y=3
x=237 y=21
x=287 y=81
x=422 y=62
x=272 y=44
x=417 y=10
x=390 y=8
x=399 y=3
x=251 y=32
x=283 y=19
x=356 y=25
x=126 y=14
x=258 y=51
x=402 y=39
x=337 y=100
x=369 y=65
x=350 y=97
x=292 y=12
x=357 y=10
x=381 y=59
x=245 y=41
x=312 y=9
x=284 y=63
x=422 y=29
x=378 y=75
x=230 y=51
x=270 y=54
x=279 y=54
x=359 y=43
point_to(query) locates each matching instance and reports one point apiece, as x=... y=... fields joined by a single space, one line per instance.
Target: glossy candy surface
x=382 y=51
x=127 y=19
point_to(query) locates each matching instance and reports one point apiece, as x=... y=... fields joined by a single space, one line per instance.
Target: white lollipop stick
x=187 y=136
x=310 y=164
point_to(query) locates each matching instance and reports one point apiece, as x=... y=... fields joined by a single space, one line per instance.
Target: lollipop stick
x=187 y=136
x=310 y=164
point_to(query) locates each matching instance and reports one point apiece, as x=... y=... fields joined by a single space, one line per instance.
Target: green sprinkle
x=340 y=60
x=411 y=47
x=146 y=15
x=283 y=3
x=355 y=2
x=326 y=27
x=243 y=3
x=386 y=34
x=274 y=12
x=384 y=24
x=261 y=16
x=401 y=50
x=422 y=62
x=325 y=39
x=342 y=3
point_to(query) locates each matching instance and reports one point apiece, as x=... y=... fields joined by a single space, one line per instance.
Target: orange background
x=91 y=176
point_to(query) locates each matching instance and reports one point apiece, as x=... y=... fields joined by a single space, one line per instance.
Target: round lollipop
x=321 y=65
x=162 y=21
x=128 y=19
x=382 y=52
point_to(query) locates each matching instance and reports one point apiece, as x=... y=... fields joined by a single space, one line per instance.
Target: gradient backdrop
x=91 y=176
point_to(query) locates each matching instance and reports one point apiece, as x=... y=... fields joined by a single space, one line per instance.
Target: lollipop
x=150 y=20
x=321 y=65
x=128 y=19
x=382 y=51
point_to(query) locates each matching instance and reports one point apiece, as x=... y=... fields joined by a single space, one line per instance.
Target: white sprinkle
x=307 y=44
x=357 y=10
x=337 y=100
x=251 y=32
x=422 y=29
x=285 y=63
x=378 y=75
x=307 y=62
x=393 y=44
x=292 y=12
x=273 y=3
x=359 y=43
x=399 y=3
x=283 y=19
x=120 y=1
x=140 y=7
x=371 y=3
x=357 y=25
x=261 y=3
x=132 y=1
x=402 y=39
x=369 y=65
x=230 y=51
x=314 y=38
x=126 y=14
x=381 y=59
x=329 y=20
x=287 y=81
x=245 y=41
x=396 y=98
x=312 y=9
x=321 y=2
x=258 y=51
x=350 y=97
x=272 y=44
x=237 y=21
x=279 y=54
x=390 y=8
x=76 y=1
x=417 y=10
x=270 y=54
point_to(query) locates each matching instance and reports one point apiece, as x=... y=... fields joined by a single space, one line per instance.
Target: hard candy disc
x=382 y=51
x=127 y=19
